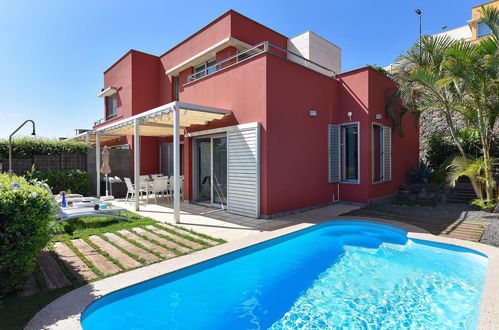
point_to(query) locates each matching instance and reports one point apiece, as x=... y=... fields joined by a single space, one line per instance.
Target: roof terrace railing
x=260 y=48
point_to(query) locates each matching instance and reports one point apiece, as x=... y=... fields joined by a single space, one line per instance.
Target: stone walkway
x=99 y=256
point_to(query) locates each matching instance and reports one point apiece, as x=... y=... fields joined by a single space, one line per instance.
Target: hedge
x=25 y=213
x=27 y=147
x=75 y=181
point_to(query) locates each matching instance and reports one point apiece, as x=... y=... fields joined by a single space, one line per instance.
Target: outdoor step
x=160 y=240
x=54 y=277
x=100 y=262
x=188 y=233
x=124 y=259
x=177 y=238
x=151 y=246
x=30 y=289
x=133 y=249
x=77 y=266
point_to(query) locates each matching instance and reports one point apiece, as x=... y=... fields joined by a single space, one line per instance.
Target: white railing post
x=136 y=162
x=176 y=163
x=97 y=161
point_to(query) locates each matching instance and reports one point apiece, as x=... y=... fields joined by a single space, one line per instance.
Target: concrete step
x=125 y=260
x=151 y=246
x=74 y=263
x=188 y=233
x=54 y=276
x=133 y=249
x=100 y=262
x=177 y=238
x=160 y=240
x=30 y=289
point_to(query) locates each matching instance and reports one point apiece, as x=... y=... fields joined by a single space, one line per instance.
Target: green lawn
x=16 y=311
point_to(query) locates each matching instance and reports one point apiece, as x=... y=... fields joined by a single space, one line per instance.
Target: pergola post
x=136 y=161
x=176 y=163
x=97 y=161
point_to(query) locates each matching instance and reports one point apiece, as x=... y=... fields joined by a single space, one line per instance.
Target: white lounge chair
x=73 y=212
x=84 y=209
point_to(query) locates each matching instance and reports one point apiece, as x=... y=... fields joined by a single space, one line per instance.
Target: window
x=482 y=30
x=377 y=152
x=381 y=153
x=204 y=69
x=112 y=106
x=350 y=152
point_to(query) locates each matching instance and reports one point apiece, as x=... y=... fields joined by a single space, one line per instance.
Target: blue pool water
x=348 y=274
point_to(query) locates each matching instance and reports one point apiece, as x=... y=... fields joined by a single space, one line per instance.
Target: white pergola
x=166 y=120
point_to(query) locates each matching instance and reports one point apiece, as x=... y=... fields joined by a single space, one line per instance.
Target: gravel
x=453 y=211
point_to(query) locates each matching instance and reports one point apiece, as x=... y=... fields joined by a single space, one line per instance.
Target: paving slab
x=151 y=246
x=100 y=262
x=54 y=277
x=178 y=238
x=74 y=263
x=133 y=249
x=161 y=240
x=188 y=233
x=124 y=259
x=30 y=289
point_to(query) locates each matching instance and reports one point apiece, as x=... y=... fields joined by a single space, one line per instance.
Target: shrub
x=440 y=151
x=25 y=213
x=76 y=181
x=27 y=148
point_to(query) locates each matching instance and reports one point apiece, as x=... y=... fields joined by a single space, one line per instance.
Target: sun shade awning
x=107 y=92
x=89 y=137
x=159 y=121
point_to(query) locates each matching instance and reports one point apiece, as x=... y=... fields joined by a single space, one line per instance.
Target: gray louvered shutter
x=334 y=153
x=243 y=195
x=387 y=153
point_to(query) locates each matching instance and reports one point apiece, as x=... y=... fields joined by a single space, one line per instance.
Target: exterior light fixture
x=378 y=116
x=10 y=142
x=312 y=113
x=349 y=114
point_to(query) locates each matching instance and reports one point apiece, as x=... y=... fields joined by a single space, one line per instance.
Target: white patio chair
x=131 y=190
x=159 y=186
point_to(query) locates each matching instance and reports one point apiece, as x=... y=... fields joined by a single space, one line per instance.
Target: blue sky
x=53 y=53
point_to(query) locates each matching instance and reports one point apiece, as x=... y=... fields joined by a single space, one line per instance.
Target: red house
x=292 y=132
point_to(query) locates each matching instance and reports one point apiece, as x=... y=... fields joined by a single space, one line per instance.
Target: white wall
x=316 y=49
x=460 y=33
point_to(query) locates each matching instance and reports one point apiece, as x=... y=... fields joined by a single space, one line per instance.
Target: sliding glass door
x=211 y=170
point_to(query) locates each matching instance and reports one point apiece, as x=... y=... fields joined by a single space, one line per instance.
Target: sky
x=53 y=53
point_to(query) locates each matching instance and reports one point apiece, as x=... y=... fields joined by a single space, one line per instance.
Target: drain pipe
x=10 y=143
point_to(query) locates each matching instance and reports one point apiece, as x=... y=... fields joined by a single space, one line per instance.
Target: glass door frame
x=195 y=175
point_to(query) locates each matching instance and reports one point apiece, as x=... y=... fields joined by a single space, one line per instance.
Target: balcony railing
x=103 y=120
x=262 y=47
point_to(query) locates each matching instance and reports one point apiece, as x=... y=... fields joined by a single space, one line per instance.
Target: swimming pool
x=343 y=273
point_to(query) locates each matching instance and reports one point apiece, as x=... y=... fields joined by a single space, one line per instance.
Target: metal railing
x=103 y=120
x=258 y=49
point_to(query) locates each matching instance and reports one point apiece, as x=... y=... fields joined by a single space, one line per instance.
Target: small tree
x=458 y=79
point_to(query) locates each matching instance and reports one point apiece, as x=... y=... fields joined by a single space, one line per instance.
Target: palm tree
x=458 y=78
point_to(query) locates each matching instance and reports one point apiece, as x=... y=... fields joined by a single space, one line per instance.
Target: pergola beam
x=166 y=120
x=136 y=163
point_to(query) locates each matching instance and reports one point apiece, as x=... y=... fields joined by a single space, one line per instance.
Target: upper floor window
x=111 y=106
x=205 y=68
x=482 y=30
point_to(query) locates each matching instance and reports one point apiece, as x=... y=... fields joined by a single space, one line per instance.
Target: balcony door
x=211 y=170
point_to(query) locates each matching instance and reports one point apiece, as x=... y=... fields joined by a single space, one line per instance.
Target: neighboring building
x=300 y=135
x=473 y=31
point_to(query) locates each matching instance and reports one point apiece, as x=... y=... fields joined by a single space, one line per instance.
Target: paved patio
x=221 y=224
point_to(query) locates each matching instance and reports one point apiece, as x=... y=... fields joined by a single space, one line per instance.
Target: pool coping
x=65 y=311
